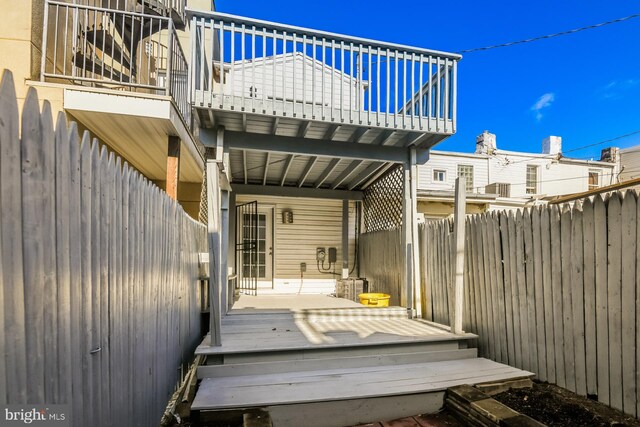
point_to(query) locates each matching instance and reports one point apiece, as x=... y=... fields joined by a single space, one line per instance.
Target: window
x=439 y=175
x=465 y=172
x=532 y=179
x=594 y=179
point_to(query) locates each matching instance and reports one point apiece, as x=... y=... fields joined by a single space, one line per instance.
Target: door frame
x=271 y=209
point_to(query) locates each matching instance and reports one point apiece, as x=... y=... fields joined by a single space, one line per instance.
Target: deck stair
x=337 y=367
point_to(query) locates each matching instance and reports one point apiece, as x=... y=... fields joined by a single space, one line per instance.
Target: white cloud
x=543 y=102
x=617 y=89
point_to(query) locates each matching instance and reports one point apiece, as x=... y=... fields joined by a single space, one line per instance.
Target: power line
x=549 y=36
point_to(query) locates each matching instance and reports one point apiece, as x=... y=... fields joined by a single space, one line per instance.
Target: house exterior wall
x=316 y=223
x=554 y=177
x=630 y=162
x=258 y=81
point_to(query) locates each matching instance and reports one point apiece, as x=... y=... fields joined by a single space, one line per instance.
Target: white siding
x=449 y=163
x=316 y=223
x=258 y=75
x=554 y=177
x=630 y=161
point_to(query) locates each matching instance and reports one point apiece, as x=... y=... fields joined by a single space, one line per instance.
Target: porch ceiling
x=323 y=155
x=137 y=127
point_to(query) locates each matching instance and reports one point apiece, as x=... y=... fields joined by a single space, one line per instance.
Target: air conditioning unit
x=350 y=288
x=502 y=189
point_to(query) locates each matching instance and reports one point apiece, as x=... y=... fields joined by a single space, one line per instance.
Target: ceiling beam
x=316 y=193
x=364 y=175
x=331 y=132
x=346 y=173
x=244 y=122
x=312 y=161
x=303 y=129
x=266 y=168
x=326 y=172
x=276 y=122
x=413 y=139
x=320 y=148
x=358 y=134
x=286 y=169
x=383 y=137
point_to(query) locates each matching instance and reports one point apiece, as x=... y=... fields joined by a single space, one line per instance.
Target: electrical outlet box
x=303 y=267
x=321 y=254
x=333 y=255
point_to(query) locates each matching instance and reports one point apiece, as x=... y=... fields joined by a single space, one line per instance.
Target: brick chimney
x=552 y=145
x=486 y=143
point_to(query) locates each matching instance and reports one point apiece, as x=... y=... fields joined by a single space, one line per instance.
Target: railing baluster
x=84 y=37
x=264 y=70
x=342 y=80
x=438 y=80
x=140 y=54
x=353 y=76
x=388 y=95
x=232 y=86
x=420 y=85
x=313 y=79
x=222 y=83
x=395 y=96
x=333 y=72
x=430 y=95
x=446 y=94
x=273 y=71
x=360 y=84
x=55 y=42
x=94 y=59
x=304 y=75
x=378 y=59
x=243 y=62
x=284 y=71
x=370 y=88
x=404 y=90
x=294 y=73
x=324 y=60
x=253 y=68
x=413 y=90
x=66 y=34
x=203 y=57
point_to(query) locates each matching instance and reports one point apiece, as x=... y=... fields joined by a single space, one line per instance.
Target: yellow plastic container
x=375 y=300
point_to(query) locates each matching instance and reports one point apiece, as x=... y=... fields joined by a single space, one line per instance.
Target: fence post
x=458 y=283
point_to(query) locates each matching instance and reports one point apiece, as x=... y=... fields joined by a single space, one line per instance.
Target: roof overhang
x=137 y=127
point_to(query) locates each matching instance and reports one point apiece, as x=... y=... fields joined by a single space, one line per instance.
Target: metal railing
x=267 y=68
x=170 y=8
x=114 y=49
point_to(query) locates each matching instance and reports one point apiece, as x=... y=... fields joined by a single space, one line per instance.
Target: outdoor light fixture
x=287 y=217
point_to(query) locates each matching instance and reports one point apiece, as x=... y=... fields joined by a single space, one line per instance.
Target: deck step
x=260 y=366
x=294 y=397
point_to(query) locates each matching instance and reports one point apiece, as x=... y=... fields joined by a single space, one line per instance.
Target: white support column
x=345 y=239
x=214 y=208
x=459 y=230
x=224 y=253
x=231 y=253
x=407 y=240
x=414 y=232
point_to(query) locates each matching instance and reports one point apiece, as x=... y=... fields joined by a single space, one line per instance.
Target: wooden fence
x=381 y=261
x=550 y=290
x=99 y=272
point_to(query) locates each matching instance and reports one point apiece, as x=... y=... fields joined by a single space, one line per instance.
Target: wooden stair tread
x=347 y=383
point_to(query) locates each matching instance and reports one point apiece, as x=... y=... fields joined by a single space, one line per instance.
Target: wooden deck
x=355 y=363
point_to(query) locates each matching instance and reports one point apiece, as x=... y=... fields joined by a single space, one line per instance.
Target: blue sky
x=584 y=87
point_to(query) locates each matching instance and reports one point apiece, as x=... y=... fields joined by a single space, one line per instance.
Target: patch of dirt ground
x=557 y=407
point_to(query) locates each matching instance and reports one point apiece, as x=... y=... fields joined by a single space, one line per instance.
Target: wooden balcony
x=249 y=73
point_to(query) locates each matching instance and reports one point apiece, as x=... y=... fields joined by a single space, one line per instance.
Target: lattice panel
x=204 y=211
x=383 y=201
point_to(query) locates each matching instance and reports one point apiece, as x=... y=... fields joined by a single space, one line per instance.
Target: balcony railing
x=169 y=8
x=114 y=49
x=274 y=69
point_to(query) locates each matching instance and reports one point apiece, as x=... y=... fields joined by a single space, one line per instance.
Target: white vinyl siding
x=316 y=223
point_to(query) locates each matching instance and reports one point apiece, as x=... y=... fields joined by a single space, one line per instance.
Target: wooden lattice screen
x=383 y=202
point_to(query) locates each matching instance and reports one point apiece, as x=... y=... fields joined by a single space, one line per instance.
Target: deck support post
x=173 y=166
x=417 y=296
x=213 y=228
x=345 y=239
x=231 y=249
x=410 y=234
x=459 y=238
x=224 y=251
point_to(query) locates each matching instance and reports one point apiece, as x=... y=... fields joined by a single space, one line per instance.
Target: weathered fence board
x=553 y=290
x=99 y=275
